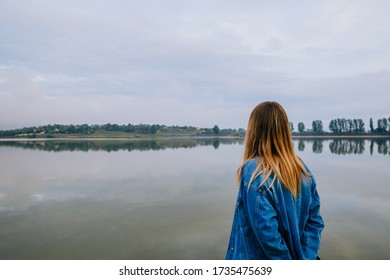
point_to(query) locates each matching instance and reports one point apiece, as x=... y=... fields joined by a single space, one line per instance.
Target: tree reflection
x=318 y=146
x=301 y=145
x=216 y=144
x=383 y=146
x=346 y=146
x=336 y=146
x=117 y=145
x=356 y=146
x=372 y=147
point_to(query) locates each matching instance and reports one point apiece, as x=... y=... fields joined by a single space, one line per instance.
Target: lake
x=174 y=199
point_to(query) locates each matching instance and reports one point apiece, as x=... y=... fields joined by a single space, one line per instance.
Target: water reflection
x=164 y=200
x=173 y=199
x=118 y=145
x=318 y=146
x=347 y=146
x=383 y=146
x=301 y=145
x=336 y=146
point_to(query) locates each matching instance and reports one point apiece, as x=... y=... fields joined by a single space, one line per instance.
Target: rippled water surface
x=174 y=199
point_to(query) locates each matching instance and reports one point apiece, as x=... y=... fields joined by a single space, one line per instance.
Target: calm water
x=174 y=199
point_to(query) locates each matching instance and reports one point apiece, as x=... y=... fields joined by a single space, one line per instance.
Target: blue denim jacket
x=269 y=223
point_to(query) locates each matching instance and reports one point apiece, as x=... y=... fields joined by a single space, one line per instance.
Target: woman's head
x=268 y=131
x=268 y=137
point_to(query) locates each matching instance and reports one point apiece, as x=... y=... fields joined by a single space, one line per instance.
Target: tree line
x=339 y=126
x=141 y=129
x=344 y=126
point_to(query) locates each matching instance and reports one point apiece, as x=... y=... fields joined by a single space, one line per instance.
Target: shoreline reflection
x=117 y=145
x=346 y=146
x=336 y=146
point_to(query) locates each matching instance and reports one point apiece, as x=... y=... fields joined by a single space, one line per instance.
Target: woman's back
x=269 y=223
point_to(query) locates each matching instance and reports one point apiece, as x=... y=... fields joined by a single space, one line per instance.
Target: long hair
x=268 y=137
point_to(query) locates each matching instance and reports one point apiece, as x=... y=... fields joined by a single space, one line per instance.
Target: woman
x=277 y=214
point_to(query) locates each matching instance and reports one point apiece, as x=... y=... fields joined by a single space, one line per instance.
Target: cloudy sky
x=199 y=62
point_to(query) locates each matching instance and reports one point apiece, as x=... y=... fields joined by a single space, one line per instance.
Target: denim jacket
x=269 y=223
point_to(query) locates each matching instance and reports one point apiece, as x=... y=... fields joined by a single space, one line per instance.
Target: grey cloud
x=164 y=62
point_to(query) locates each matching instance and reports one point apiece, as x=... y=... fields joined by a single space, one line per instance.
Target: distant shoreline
x=177 y=137
x=338 y=136
x=98 y=138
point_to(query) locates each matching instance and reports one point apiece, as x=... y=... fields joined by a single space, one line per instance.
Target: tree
x=333 y=126
x=301 y=127
x=216 y=129
x=128 y=128
x=349 y=125
x=343 y=125
x=317 y=126
x=385 y=124
x=371 y=125
x=291 y=126
x=154 y=128
x=381 y=126
x=360 y=126
x=336 y=125
x=346 y=126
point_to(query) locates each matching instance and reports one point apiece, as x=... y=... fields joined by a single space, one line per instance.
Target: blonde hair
x=268 y=137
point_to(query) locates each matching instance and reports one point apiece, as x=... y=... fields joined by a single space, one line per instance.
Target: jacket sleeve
x=311 y=238
x=262 y=216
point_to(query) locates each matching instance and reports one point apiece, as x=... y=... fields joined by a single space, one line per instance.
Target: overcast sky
x=199 y=62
